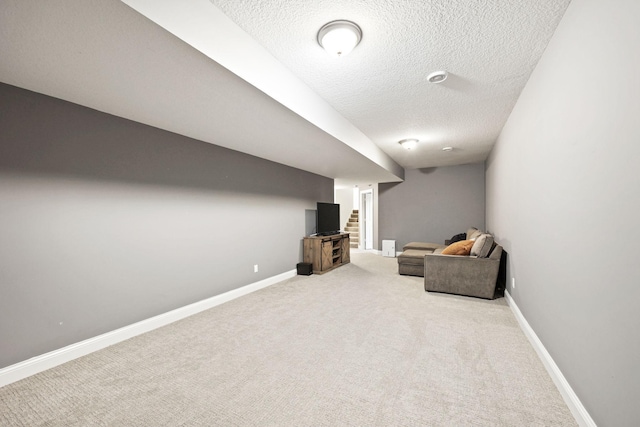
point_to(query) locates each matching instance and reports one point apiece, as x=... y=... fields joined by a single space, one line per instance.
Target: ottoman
x=411 y=260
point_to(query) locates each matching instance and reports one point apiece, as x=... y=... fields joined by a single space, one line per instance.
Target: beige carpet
x=359 y=346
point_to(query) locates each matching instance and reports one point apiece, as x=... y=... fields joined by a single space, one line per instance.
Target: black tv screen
x=328 y=218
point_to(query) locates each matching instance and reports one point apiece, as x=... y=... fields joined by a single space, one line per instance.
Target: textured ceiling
x=488 y=47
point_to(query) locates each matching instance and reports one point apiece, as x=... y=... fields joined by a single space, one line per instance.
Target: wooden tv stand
x=325 y=253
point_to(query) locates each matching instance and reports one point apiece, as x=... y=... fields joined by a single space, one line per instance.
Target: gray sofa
x=478 y=273
x=463 y=275
x=411 y=260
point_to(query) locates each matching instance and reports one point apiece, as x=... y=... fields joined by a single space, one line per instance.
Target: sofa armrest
x=462 y=275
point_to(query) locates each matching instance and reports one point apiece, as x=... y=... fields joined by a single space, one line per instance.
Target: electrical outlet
x=255 y=268
x=513 y=283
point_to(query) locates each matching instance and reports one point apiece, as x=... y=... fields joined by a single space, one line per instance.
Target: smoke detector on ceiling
x=437 y=76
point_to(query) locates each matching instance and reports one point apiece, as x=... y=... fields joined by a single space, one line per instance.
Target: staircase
x=353 y=227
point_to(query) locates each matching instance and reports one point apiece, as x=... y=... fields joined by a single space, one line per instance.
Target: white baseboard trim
x=37 y=364
x=366 y=251
x=571 y=399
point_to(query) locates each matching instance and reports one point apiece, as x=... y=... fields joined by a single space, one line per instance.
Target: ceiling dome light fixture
x=447 y=148
x=408 y=143
x=339 y=37
x=437 y=76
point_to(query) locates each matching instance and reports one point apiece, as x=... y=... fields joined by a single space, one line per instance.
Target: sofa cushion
x=421 y=246
x=482 y=246
x=462 y=247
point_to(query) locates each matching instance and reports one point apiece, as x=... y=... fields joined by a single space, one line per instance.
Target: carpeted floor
x=359 y=346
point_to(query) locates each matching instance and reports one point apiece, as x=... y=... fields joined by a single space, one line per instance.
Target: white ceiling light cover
x=339 y=37
x=409 y=144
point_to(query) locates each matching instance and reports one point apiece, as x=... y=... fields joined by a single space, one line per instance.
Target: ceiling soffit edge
x=206 y=28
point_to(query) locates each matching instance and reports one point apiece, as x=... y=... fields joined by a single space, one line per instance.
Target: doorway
x=366 y=223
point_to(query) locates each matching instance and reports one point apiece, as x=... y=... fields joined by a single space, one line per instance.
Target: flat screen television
x=328 y=219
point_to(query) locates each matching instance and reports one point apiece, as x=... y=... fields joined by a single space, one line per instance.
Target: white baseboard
x=54 y=358
x=571 y=399
x=366 y=251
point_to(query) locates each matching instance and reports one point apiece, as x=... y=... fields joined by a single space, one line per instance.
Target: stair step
x=353 y=225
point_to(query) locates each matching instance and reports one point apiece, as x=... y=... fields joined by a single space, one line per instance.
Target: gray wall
x=563 y=197
x=105 y=222
x=432 y=205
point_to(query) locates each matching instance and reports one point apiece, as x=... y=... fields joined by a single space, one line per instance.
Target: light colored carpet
x=359 y=346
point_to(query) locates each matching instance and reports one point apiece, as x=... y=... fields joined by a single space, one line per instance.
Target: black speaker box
x=304 y=268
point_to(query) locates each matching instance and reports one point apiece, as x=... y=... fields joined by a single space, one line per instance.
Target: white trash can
x=389 y=248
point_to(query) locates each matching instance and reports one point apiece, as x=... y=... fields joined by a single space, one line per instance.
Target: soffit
x=106 y=56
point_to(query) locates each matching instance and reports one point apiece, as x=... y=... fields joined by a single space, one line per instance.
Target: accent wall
x=105 y=222
x=432 y=204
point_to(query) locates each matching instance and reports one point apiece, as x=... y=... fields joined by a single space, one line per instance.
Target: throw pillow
x=463 y=247
x=475 y=235
x=458 y=237
x=470 y=232
x=482 y=246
